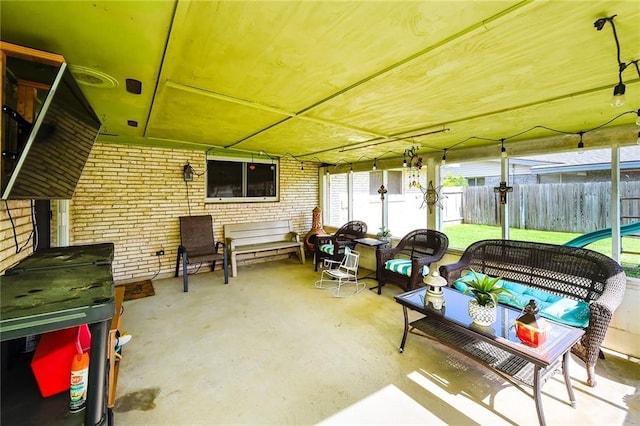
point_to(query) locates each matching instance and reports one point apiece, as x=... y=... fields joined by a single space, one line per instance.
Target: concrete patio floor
x=270 y=348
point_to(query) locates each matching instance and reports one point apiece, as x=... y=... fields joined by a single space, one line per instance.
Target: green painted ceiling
x=317 y=80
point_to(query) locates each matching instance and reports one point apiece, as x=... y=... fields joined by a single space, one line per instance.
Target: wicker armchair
x=342 y=238
x=422 y=247
x=198 y=245
x=576 y=273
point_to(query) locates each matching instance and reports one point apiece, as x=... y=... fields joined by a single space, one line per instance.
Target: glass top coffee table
x=496 y=346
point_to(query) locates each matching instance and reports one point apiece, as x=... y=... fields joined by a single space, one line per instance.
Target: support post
x=616 y=244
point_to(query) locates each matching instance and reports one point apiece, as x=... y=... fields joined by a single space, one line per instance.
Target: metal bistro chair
x=346 y=272
x=197 y=245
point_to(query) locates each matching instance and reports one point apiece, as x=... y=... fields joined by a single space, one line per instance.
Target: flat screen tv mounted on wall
x=49 y=164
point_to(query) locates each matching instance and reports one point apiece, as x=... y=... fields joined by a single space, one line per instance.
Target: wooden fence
x=563 y=207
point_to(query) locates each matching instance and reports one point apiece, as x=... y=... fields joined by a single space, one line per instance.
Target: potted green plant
x=485 y=291
x=384 y=234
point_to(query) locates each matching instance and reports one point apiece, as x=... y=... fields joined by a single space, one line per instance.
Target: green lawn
x=460 y=236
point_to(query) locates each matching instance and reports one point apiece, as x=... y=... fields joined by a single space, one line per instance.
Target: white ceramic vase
x=482 y=315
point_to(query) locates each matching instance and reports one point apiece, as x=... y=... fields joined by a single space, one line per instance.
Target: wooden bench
x=255 y=237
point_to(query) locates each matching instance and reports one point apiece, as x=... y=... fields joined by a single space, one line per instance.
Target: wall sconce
x=187 y=173
x=619 y=90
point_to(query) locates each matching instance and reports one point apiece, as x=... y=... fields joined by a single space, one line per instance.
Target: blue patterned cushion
x=327 y=248
x=568 y=311
x=543 y=295
x=400 y=266
x=403 y=267
x=561 y=309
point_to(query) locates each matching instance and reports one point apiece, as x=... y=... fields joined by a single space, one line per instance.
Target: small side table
x=372 y=242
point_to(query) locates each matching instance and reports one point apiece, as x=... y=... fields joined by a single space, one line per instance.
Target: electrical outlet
x=160 y=253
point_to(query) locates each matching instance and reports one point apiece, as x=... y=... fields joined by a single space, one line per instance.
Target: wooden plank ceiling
x=340 y=82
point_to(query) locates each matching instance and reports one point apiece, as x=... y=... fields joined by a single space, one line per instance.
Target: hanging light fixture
x=302 y=165
x=620 y=88
x=580 y=144
x=618 y=94
x=503 y=150
x=375 y=164
x=444 y=158
x=351 y=169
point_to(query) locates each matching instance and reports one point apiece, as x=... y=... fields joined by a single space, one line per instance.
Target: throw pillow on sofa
x=551 y=306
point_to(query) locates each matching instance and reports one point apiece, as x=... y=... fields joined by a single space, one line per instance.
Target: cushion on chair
x=557 y=308
x=327 y=248
x=403 y=267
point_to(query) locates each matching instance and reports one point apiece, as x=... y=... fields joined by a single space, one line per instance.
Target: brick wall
x=18 y=212
x=133 y=196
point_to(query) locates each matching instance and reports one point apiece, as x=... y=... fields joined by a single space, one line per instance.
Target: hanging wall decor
x=432 y=196
x=382 y=191
x=414 y=164
x=503 y=189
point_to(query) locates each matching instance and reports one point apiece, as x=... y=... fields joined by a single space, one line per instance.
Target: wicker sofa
x=575 y=273
x=422 y=247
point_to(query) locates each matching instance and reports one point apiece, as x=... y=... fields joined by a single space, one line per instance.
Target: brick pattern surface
x=18 y=212
x=132 y=196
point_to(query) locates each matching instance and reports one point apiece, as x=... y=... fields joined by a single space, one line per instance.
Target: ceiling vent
x=90 y=77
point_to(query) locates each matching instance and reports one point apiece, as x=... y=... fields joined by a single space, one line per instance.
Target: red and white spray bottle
x=79 y=375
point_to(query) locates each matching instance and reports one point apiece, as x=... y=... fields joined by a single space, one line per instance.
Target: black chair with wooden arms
x=197 y=245
x=332 y=247
x=406 y=264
